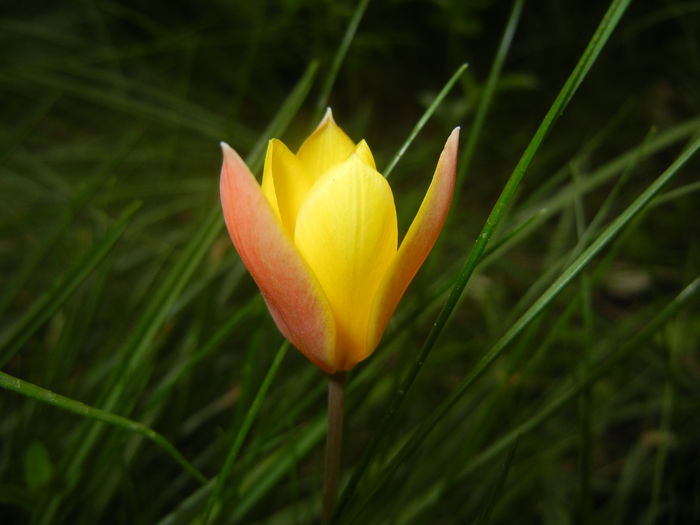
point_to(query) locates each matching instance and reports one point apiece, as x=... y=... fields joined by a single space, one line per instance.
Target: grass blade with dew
x=49 y=397
x=545 y=299
x=596 y=44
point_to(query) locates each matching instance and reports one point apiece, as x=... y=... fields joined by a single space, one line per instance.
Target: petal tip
x=452 y=143
x=327 y=117
x=228 y=152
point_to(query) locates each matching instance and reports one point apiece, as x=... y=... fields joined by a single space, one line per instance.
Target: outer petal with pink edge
x=417 y=243
x=292 y=293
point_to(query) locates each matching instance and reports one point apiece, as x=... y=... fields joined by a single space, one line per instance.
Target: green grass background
x=542 y=368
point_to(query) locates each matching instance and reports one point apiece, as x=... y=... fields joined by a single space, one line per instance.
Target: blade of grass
x=544 y=300
x=600 y=37
x=243 y=432
x=338 y=59
x=44 y=307
x=485 y=516
x=658 y=143
x=585 y=425
x=487 y=96
x=594 y=226
x=284 y=116
x=661 y=454
x=49 y=397
x=259 y=480
x=177 y=372
x=676 y=193
x=424 y=119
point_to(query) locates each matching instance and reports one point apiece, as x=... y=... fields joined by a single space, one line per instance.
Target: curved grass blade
x=545 y=299
x=424 y=118
x=49 y=397
x=600 y=37
x=42 y=309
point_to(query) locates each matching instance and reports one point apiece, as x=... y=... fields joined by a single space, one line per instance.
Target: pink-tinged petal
x=418 y=241
x=292 y=293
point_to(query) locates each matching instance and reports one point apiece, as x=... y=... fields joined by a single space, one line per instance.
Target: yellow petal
x=324 y=148
x=346 y=231
x=285 y=183
x=268 y=186
x=418 y=242
x=362 y=150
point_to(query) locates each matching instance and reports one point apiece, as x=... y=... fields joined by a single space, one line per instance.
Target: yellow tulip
x=319 y=237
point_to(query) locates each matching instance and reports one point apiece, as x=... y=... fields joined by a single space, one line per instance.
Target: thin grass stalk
x=487 y=510
x=424 y=119
x=584 y=405
x=338 y=58
x=487 y=96
x=655 y=506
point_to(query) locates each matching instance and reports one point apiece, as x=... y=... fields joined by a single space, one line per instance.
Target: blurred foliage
x=108 y=103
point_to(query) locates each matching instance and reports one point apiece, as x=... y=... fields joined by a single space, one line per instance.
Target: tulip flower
x=319 y=237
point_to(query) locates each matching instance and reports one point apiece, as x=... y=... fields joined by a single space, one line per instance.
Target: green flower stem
x=334 y=444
